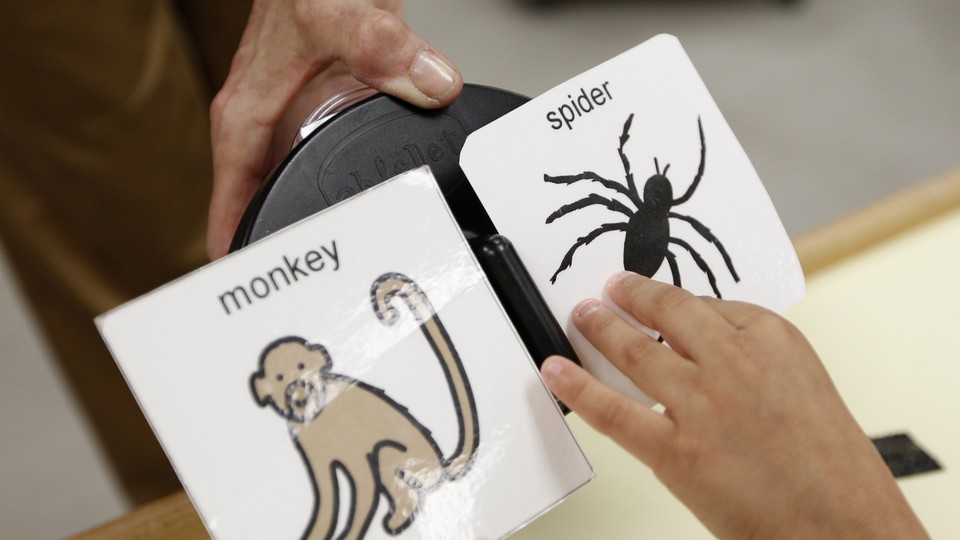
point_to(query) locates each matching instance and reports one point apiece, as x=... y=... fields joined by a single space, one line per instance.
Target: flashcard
x=350 y=376
x=631 y=166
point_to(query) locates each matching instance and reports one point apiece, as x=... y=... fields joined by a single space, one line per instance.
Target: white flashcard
x=352 y=375
x=631 y=165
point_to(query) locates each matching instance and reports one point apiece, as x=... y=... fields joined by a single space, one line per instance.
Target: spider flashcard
x=631 y=165
x=364 y=382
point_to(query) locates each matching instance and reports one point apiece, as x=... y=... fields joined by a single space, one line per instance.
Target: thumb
x=384 y=53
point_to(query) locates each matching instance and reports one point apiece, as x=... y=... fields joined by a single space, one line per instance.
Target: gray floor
x=837 y=102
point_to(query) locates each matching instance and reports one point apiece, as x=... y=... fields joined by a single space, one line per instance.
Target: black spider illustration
x=648 y=227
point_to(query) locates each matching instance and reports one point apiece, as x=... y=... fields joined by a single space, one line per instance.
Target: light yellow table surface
x=882 y=303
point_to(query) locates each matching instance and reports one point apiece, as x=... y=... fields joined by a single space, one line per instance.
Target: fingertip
x=215 y=250
x=384 y=53
x=562 y=376
x=552 y=369
x=216 y=244
x=227 y=205
x=620 y=276
x=586 y=308
x=217 y=218
x=621 y=279
x=434 y=77
x=430 y=83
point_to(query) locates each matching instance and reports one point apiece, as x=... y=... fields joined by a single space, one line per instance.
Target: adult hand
x=293 y=54
x=755 y=439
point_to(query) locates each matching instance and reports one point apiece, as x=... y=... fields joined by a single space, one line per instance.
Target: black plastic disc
x=370 y=142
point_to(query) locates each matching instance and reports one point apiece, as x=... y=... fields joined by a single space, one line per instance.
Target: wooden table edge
x=880 y=221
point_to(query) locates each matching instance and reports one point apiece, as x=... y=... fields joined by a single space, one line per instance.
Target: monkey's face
x=291 y=380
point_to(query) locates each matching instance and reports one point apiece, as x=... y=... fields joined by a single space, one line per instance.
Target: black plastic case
x=380 y=137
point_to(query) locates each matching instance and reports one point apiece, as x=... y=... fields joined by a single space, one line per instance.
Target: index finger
x=683 y=319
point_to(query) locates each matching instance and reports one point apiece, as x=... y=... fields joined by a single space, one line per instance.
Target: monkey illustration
x=340 y=423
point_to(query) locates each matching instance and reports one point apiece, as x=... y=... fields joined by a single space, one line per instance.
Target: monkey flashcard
x=351 y=376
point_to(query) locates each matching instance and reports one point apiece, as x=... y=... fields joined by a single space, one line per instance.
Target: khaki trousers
x=105 y=176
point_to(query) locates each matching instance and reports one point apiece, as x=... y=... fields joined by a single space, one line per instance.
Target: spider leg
x=709 y=237
x=584 y=240
x=593 y=177
x=674 y=269
x=696 y=180
x=700 y=262
x=589 y=200
x=624 y=137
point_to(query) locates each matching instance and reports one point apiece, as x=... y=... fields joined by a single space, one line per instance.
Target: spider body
x=647 y=227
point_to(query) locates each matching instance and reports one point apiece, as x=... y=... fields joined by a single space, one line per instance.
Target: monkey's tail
x=384 y=289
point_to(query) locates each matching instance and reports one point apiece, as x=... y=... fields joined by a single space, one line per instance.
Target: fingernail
x=552 y=369
x=432 y=75
x=585 y=308
x=618 y=277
